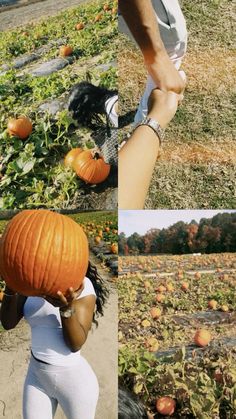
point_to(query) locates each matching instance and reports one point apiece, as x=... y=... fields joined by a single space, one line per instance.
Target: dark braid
x=100 y=288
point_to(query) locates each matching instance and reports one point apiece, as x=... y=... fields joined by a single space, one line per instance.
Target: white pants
x=173 y=33
x=74 y=388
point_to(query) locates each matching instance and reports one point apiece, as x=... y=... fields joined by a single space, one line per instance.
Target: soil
x=100 y=350
x=20 y=16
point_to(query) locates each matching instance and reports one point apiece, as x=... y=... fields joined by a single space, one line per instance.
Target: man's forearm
x=141 y=20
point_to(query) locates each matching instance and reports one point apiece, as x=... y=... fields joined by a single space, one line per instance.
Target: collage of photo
x=117 y=209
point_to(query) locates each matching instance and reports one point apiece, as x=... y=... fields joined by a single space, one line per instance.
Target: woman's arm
x=11 y=309
x=77 y=325
x=137 y=158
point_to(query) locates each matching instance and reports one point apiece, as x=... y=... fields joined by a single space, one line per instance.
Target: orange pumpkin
x=90 y=167
x=71 y=155
x=65 y=51
x=98 y=17
x=42 y=252
x=155 y=312
x=212 y=304
x=114 y=248
x=20 y=127
x=79 y=26
x=1 y=295
x=202 y=337
x=97 y=239
x=165 y=406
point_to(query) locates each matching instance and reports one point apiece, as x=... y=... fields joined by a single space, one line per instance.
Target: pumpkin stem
x=96 y=156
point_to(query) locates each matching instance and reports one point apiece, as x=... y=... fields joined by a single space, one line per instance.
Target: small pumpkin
x=212 y=304
x=79 y=26
x=114 y=248
x=155 y=312
x=71 y=155
x=20 y=127
x=165 y=406
x=98 y=17
x=90 y=167
x=202 y=337
x=65 y=51
x=42 y=252
x=106 y=7
x=97 y=239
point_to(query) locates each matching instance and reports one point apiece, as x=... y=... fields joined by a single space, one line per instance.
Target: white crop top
x=47 y=341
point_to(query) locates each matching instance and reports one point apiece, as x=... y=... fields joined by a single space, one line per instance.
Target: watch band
x=154 y=125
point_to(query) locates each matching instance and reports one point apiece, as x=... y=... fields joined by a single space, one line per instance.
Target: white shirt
x=47 y=339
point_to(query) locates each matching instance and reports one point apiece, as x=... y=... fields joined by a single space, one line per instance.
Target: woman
x=137 y=158
x=57 y=372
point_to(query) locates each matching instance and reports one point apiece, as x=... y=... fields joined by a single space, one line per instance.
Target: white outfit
x=172 y=27
x=62 y=376
x=110 y=110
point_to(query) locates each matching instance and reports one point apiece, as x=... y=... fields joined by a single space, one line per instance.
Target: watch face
x=66 y=314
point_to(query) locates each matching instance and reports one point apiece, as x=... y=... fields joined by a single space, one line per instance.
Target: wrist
x=158 y=116
x=67 y=312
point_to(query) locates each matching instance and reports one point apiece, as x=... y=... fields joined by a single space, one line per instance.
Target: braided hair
x=100 y=288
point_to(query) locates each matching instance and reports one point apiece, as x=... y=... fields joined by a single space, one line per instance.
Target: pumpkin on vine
x=42 y=252
x=20 y=127
x=65 y=51
x=91 y=167
x=71 y=155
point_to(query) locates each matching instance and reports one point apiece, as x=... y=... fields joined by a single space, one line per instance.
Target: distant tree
x=211 y=235
x=121 y=243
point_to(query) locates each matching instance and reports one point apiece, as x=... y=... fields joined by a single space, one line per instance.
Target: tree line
x=210 y=235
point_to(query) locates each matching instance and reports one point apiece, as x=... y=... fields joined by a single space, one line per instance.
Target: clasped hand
x=64 y=300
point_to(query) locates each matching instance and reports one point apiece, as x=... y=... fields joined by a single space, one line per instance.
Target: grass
x=197 y=161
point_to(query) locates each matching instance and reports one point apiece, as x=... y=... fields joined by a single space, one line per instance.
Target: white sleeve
x=88 y=289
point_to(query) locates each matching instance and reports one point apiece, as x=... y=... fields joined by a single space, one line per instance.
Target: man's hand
x=165 y=75
x=141 y=20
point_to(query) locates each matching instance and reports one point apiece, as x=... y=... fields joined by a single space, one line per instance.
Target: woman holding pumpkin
x=60 y=322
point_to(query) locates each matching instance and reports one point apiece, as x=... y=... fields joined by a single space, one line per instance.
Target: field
x=32 y=172
x=197 y=161
x=163 y=301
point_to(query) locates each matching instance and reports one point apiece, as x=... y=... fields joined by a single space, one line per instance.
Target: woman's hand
x=65 y=300
x=163 y=106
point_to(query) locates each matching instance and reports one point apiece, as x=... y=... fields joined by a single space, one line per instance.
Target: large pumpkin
x=90 y=167
x=42 y=252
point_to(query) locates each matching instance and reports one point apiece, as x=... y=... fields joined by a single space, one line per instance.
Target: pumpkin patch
x=40 y=62
x=176 y=342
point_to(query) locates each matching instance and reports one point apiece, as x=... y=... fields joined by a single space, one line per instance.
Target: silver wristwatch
x=67 y=313
x=152 y=123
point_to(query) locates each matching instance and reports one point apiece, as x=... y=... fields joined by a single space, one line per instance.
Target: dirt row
x=21 y=16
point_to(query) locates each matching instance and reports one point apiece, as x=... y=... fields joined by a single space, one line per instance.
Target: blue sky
x=140 y=221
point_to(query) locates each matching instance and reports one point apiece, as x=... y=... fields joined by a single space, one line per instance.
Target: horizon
x=140 y=221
